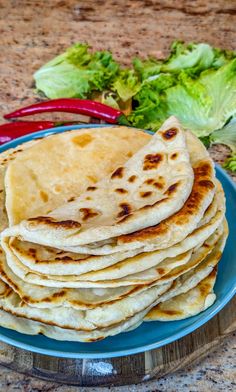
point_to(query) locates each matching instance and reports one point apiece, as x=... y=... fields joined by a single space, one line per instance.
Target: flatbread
x=52 y=261
x=188 y=304
x=193 y=277
x=177 y=226
x=181 y=285
x=149 y=187
x=63 y=165
x=180 y=262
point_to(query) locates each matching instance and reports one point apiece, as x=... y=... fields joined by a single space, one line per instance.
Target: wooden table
x=32 y=32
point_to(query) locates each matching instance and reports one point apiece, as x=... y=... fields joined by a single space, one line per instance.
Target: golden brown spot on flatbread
x=204 y=288
x=172 y=189
x=206 y=184
x=158 y=185
x=1 y=190
x=121 y=190
x=91 y=188
x=44 y=196
x=92 y=178
x=125 y=210
x=169 y=133
x=161 y=271
x=174 y=156
x=88 y=213
x=118 y=173
x=82 y=140
x=170 y=312
x=95 y=339
x=145 y=194
x=32 y=251
x=129 y=154
x=88 y=198
x=71 y=199
x=64 y=258
x=150 y=181
x=132 y=178
x=48 y=221
x=152 y=161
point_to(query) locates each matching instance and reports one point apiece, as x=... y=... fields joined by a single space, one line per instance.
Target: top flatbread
x=149 y=187
x=62 y=166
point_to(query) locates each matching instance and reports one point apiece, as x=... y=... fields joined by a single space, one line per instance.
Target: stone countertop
x=33 y=31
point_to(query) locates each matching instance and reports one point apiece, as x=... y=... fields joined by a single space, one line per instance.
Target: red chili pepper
x=11 y=131
x=73 y=105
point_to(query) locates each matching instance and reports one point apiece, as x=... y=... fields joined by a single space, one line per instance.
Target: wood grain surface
x=32 y=32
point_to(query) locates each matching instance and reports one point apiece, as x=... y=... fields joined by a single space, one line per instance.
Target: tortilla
x=188 y=304
x=63 y=165
x=149 y=187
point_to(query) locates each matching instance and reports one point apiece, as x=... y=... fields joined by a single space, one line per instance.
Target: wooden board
x=32 y=33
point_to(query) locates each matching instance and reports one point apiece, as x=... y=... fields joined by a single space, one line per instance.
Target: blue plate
x=149 y=335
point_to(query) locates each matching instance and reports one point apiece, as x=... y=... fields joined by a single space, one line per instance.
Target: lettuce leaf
x=206 y=104
x=76 y=73
x=226 y=135
x=149 y=107
x=126 y=84
x=195 y=57
x=230 y=163
x=147 y=68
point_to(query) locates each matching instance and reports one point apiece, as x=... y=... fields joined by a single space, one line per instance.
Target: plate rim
x=206 y=315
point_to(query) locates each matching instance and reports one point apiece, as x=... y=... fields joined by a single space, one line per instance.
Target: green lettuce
x=195 y=57
x=147 y=68
x=226 y=135
x=76 y=73
x=230 y=163
x=206 y=104
x=126 y=84
x=149 y=107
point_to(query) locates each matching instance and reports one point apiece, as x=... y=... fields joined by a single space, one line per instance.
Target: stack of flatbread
x=104 y=228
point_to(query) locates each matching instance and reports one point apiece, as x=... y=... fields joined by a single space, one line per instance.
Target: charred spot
x=169 y=134
x=91 y=188
x=145 y=194
x=150 y=181
x=158 y=185
x=132 y=178
x=32 y=251
x=71 y=199
x=174 y=156
x=172 y=188
x=151 y=161
x=1 y=190
x=121 y=190
x=203 y=169
x=161 y=271
x=118 y=173
x=206 y=184
x=125 y=210
x=47 y=220
x=64 y=258
x=88 y=213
